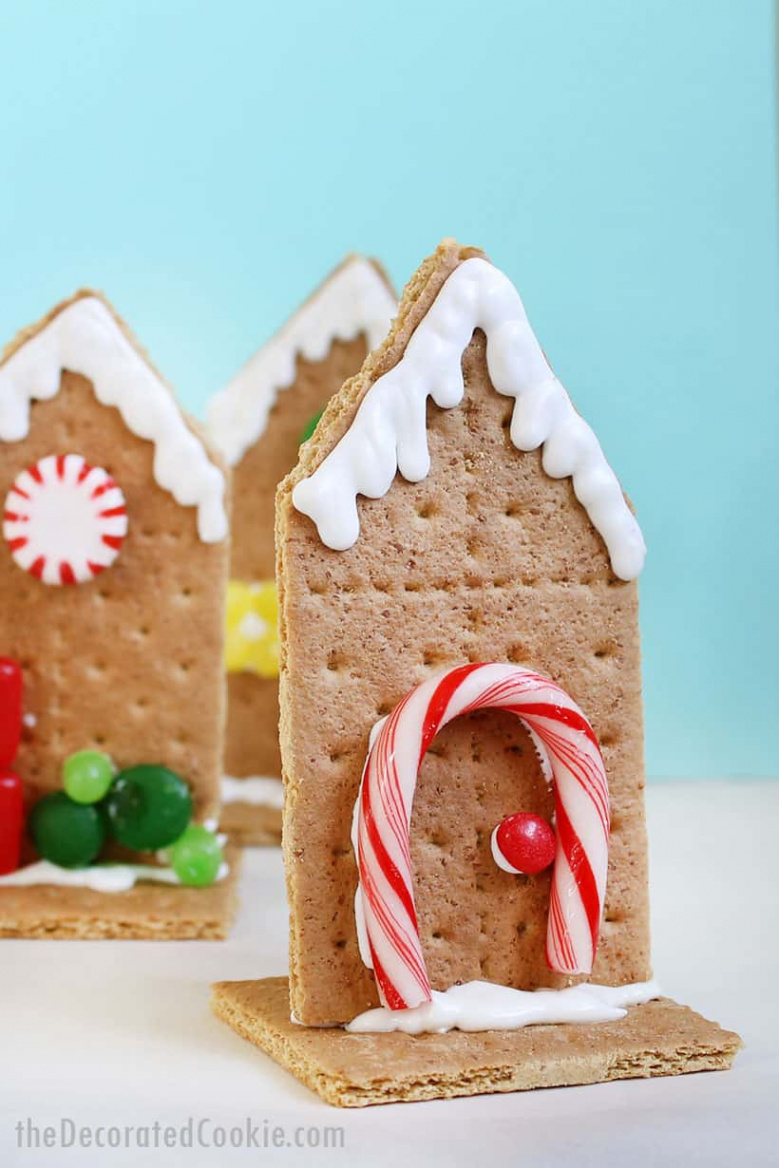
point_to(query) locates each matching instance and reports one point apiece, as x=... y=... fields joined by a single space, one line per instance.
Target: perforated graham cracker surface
x=147 y=912
x=357 y=1070
x=252 y=738
x=129 y=663
x=251 y=825
x=487 y=559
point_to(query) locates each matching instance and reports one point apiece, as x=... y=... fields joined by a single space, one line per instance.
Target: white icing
x=257 y=790
x=356 y=299
x=85 y=338
x=29 y=720
x=97 y=877
x=252 y=627
x=314 y=1025
x=363 y=944
x=388 y=433
x=498 y=856
x=481 y=1005
x=543 y=757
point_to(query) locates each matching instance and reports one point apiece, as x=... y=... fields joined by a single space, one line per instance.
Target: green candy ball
x=311 y=425
x=67 y=833
x=87 y=775
x=147 y=807
x=197 y=856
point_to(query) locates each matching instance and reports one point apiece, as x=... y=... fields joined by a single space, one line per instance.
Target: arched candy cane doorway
x=385 y=905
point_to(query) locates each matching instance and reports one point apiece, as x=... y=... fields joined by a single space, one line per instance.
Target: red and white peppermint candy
x=64 y=520
x=383 y=817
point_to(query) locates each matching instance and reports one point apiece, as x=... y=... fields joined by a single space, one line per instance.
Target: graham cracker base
x=147 y=912
x=250 y=825
x=357 y=1070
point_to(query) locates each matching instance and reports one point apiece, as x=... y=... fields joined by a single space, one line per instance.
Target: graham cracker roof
x=387 y=434
x=84 y=335
x=355 y=298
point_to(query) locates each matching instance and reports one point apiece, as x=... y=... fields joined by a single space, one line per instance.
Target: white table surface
x=120 y=1033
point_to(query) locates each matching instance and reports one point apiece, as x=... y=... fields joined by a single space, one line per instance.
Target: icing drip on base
x=257 y=790
x=388 y=433
x=480 y=1005
x=97 y=877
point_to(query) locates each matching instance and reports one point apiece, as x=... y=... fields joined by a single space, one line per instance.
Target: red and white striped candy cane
x=383 y=819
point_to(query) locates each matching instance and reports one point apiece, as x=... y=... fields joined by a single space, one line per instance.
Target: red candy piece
x=10 y=710
x=11 y=821
x=526 y=842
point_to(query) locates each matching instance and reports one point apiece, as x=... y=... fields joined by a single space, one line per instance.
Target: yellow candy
x=252 y=641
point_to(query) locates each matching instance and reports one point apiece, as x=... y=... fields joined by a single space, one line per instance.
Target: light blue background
x=207 y=163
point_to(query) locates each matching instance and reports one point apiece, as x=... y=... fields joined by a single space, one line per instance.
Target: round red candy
x=526 y=843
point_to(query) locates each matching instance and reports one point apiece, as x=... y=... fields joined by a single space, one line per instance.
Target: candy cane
x=64 y=520
x=383 y=819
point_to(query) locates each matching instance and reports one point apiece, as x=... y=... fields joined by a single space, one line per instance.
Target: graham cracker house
x=113 y=570
x=258 y=422
x=460 y=661
x=486 y=557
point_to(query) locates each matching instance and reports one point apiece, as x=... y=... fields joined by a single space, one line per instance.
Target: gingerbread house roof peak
x=84 y=335
x=355 y=298
x=387 y=432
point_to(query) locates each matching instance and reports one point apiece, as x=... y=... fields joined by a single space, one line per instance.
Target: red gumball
x=523 y=844
x=10 y=709
x=11 y=821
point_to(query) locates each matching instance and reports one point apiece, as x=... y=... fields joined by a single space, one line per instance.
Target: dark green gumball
x=67 y=833
x=147 y=807
x=311 y=425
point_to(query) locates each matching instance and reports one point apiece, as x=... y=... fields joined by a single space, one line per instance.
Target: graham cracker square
x=358 y=1070
x=147 y=912
x=251 y=825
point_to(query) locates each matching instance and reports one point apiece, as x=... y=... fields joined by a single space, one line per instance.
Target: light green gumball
x=196 y=856
x=87 y=775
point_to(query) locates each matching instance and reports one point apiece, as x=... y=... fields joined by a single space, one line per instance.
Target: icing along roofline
x=376 y=425
x=85 y=336
x=355 y=298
